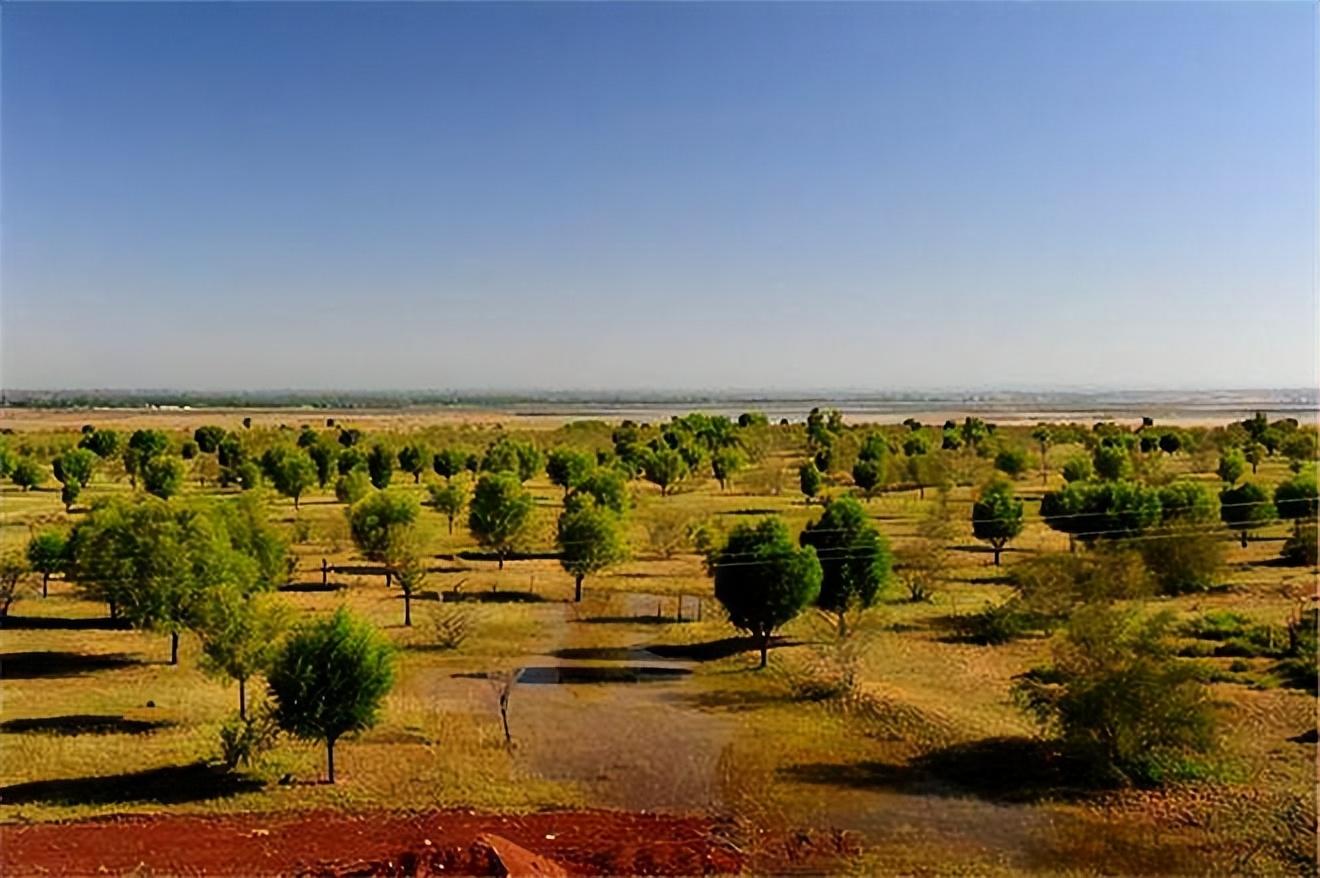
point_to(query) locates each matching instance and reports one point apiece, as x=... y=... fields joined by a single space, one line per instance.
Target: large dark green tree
x=500 y=509
x=854 y=558
x=763 y=580
x=1245 y=508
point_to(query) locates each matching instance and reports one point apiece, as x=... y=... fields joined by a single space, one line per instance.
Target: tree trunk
x=577 y=589
x=1244 y=538
x=451 y=525
x=242 y=698
x=45 y=579
x=330 y=758
x=500 y=555
x=389 y=577
x=921 y=492
x=295 y=500
x=998 y=548
x=765 y=649
x=174 y=647
x=407 y=608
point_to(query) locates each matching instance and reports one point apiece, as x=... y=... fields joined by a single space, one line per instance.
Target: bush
x=1117 y=696
x=996 y=624
x=1182 y=561
x=448 y=627
x=352 y=487
x=243 y=741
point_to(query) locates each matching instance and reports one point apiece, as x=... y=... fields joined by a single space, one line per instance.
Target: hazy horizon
x=623 y=198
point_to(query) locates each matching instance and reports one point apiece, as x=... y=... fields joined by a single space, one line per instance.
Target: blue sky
x=886 y=196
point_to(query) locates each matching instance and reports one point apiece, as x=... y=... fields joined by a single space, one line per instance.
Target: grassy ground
x=891 y=766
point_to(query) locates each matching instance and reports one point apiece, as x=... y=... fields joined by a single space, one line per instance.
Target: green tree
x=1253 y=454
x=1078 y=468
x=75 y=465
x=152 y=561
x=381 y=523
x=329 y=680
x=513 y=455
x=809 y=480
x=449 y=500
x=449 y=462
x=208 y=438
x=380 y=466
x=607 y=487
x=854 y=558
x=105 y=444
x=1296 y=499
x=590 y=540
x=500 y=509
x=997 y=516
x=763 y=581
x=1118 y=696
x=290 y=471
x=1096 y=510
x=241 y=635
x=1232 y=463
x=13 y=578
x=162 y=476
x=69 y=495
x=664 y=467
x=414 y=459
x=27 y=474
x=325 y=458
x=349 y=460
x=352 y=487
x=1245 y=508
x=1012 y=462
x=867 y=475
x=1112 y=462
x=1044 y=437
x=567 y=467
x=48 y=554
x=1185 y=502
x=725 y=463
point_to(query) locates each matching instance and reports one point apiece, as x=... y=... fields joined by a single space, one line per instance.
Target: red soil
x=380 y=843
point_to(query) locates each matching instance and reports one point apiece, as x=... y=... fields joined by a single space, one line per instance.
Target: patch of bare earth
x=331 y=843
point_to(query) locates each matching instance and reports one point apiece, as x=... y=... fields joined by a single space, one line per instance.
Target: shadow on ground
x=55 y=623
x=172 y=785
x=492 y=597
x=1008 y=769
x=33 y=665
x=575 y=674
x=711 y=650
x=312 y=587
x=81 y=724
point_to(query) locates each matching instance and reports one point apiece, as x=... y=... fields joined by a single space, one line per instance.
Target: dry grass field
x=923 y=766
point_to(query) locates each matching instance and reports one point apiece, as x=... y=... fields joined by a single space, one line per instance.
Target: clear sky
x=884 y=196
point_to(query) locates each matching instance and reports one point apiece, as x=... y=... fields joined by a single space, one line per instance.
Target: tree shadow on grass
x=492 y=597
x=749 y=512
x=312 y=587
x=171 y=785
x=712 y=650
x=33 y=665
x=55 y=623
x=575 y=674
x=629 y=620
x=81 y=724
x=1006 y=769
x=604 y=653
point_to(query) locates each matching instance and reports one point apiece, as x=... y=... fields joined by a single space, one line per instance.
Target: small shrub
x=448 y=627
x=243 y=741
